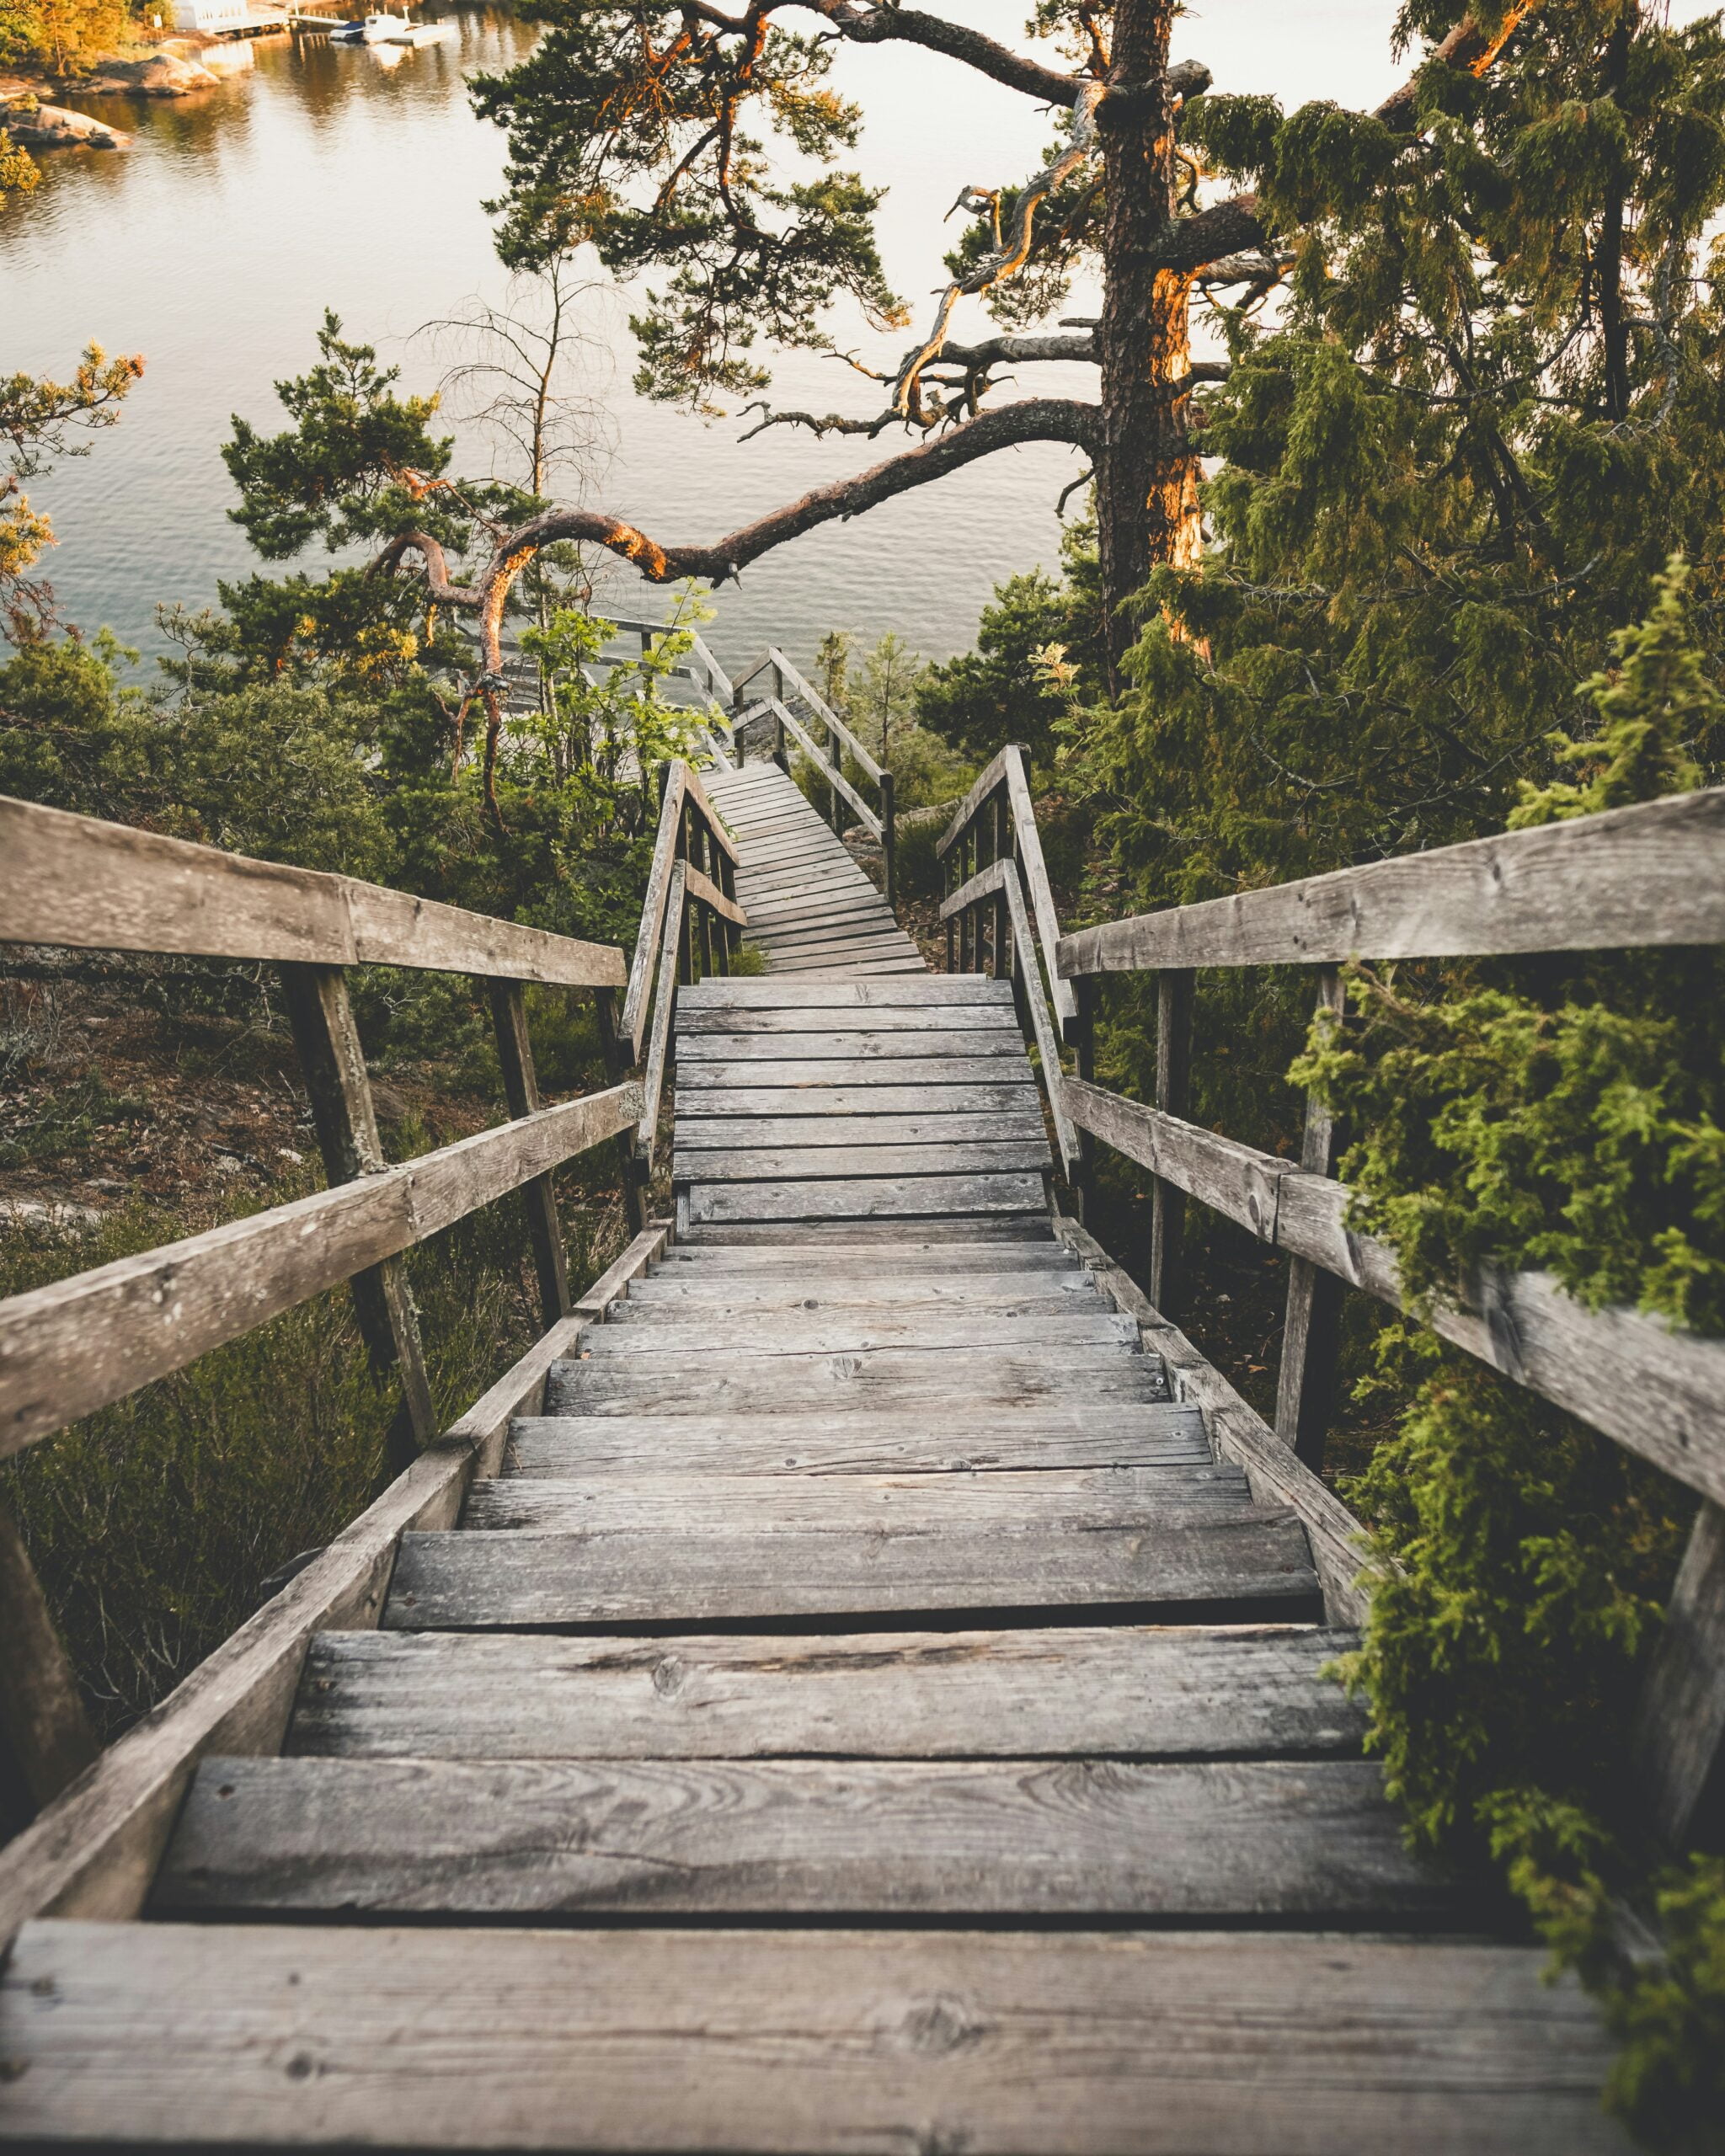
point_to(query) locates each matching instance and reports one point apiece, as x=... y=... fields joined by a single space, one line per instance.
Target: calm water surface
x=333 y=177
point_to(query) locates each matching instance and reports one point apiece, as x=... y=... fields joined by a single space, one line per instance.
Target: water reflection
x=353 y=178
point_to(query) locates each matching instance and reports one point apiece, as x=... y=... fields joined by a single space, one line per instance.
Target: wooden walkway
x=864 y=1716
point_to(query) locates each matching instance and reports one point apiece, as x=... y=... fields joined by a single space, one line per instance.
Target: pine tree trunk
x=1146 y=472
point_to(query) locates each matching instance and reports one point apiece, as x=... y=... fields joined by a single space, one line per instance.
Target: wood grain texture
x=44 y=1727
x=883 y=1020
x=816 y=1125
x=657 y=1503
x=850 y=2044
x=1102 y=1691
x=793 y=1164
x=93 y=1852
x=542 y=1839
x=842 y=1331
x=971 y=1045
x=1650 y=874
x=1678 y=1741
x=938 y=990
x=949 y=1440
x=867 y=1198
x=998 y=1295
x=880 y=1377
x=76 y=881
x=802 y=1069
x=697 y=1103
x=1227 y=1559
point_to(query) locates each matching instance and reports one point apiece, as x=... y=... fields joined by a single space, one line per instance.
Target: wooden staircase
x=865 y=1714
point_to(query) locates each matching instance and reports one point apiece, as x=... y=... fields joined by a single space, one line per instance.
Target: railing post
x=1085 y=991
x=1678 y=1743
x=346 y=1119
x=888 y=844
x=521 y=1088
x=616 y=1068
x=1174 y=1088
x=998 y=933
x=781 y=754
x=1306 y=1385
x=42 y=1718
x=946 y=892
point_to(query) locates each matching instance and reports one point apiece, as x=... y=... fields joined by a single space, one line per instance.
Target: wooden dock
x=867 y=1713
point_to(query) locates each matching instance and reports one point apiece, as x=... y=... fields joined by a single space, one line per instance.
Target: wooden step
x=1254 y=1563
x=1015 y=1096
x=852 y=2043
x=869 y=1198
x=945 y=1441
x=971 y=1044
x=1100 y=1497
x=812 y=1123
x=938 y=990
x=947 y=1247
x=1098 y=1692
x=1062 y=1840
x=935 y=991
x=923 y=1072
x=817 y=1331
x=875 y=1020
x=926 y=1378
x=992 y=1294
x=953 y=1234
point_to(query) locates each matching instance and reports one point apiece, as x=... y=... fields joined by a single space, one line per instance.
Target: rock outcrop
x=34 y=126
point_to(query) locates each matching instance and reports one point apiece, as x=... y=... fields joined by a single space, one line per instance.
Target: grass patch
x=154 y=1522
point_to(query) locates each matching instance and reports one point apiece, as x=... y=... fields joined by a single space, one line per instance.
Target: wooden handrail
x=682 y=791
x=1002 y=877
x=79 y=1344
x=825 y=713
x=1655 y=1391
x=95 y=1853
x=829 y=772
x=1653 y=873
x=988 y=782
x=1009 y=771
x=76 y=881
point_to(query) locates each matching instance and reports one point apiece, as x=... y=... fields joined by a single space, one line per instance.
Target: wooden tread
x=836 y=2043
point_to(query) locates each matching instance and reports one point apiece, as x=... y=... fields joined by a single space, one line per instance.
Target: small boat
x=388 y=29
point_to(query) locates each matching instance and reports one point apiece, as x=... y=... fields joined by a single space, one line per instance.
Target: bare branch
x=1466 y=46
x=862 y=22
x=1032 y=419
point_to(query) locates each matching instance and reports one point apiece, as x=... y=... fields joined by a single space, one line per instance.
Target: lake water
x=354 y=180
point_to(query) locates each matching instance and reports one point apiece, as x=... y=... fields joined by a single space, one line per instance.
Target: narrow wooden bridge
x=858 y=1685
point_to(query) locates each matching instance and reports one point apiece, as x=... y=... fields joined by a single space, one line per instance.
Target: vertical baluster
x=1002 y=847
x=1174 y=1088
x=946 y=892
x=1678 y=1744
x=1306 y=1387
x=521 y=1088
x=703 y=917
x=1083 y=1038
x=888 y=844
x=42 y=1718
x=616 y=1068
x=345 y=1119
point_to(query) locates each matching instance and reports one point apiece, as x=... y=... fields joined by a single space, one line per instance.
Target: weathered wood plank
x=666 y=840
x=822 y=1252
x=829 y=772
x=698 y=1103
x=663 y=1006
x=846 y=1018
x=76 y=1344
x=1106 y=1691
x=824 y=712
x=549 y=1838
x=44 y=1725
x=1653 y=873
x=814 y=1073
x=93 y=1853
x=868 y=1198
x=799 y=1163
x=969 y=1043
x=698 y=1132
x=880 y=1377
x=842 y=1332
x=939 y=989
x=76 y=881
x=988 y=781
x=1223 y=1559
x=829 y=2043
x=707 y=892
x=947 y=1440
x=651 y=1503
x=850 y=917
x=651 y=1302
x=1679 y=1743
x=841 y=952
x=949 y=1231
